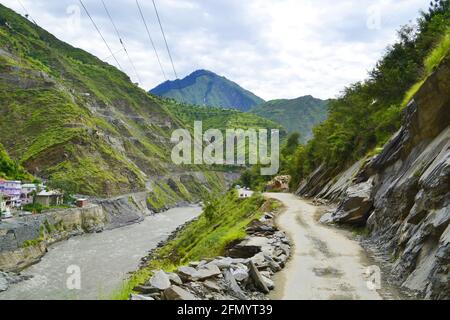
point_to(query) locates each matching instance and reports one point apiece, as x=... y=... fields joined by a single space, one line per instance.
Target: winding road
x=325 y=264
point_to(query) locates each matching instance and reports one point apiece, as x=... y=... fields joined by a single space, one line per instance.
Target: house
x=49 y=198
x=5 y=203
x=81 y=203
x=27 y=193
x=12 y=189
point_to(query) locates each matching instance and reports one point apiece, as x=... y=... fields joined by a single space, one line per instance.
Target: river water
x=104 y=259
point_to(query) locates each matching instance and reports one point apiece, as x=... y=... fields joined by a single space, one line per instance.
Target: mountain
x=296 y=115
x=82 y=125
x=206 y=88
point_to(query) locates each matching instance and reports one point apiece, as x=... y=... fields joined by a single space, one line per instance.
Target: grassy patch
x=223 y=221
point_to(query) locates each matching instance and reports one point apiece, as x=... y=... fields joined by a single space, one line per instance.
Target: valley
x=358 y=210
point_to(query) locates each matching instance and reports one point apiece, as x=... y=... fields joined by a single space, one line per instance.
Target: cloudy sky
x=275 y=48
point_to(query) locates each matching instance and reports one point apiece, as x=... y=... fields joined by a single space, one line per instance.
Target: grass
x=431 y=62
x=223 y=221
x=438 y=54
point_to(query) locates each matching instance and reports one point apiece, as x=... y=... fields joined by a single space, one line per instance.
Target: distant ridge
x=203 y=87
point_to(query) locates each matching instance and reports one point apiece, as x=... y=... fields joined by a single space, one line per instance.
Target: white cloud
x=277 y=49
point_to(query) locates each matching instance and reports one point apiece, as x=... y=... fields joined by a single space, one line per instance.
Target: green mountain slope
x=10 y=169
x=206 y=88
x=80 y=123
x=297 y=115
x=222 y=119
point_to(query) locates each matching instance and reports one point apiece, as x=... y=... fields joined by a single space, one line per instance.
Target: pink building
x=13 y=189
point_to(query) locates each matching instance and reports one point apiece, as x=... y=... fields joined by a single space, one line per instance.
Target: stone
x=160 y=280
x=177 y=293
x=4 y=283
x=233 y=287
x=138 y=297
x=187 y=273
x=146 y=289
x=213 y=286
x=240 y=274
x=257 y=278
x=268 y=282
x=356 y=206
x=208 y=271
x=175 y=279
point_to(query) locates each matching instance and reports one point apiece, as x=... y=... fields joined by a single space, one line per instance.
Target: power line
x=26 y=12
x=151 y=40
x=165 y=40
x=98 y=30
x=121 y=42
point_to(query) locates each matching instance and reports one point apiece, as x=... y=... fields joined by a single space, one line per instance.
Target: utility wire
x=26 y=11
x=151 y=40
x=98 y=30
x=121 y=42
x=165 y=40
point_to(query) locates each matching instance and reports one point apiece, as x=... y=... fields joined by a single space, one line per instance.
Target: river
x=104 y=259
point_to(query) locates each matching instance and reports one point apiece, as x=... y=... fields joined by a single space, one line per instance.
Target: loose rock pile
x=243 y=274
x=7 y=279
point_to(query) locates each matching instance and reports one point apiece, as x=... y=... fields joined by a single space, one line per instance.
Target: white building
x=27 y=193
x=12 y=189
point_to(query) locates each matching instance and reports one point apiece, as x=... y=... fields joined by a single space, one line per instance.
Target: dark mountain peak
x=204 y=87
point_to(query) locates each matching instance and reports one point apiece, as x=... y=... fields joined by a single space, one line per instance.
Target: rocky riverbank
x=244 y=273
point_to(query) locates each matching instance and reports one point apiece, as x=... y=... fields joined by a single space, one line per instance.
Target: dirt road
x=325 y=263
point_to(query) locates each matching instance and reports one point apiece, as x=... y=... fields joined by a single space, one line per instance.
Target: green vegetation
x=369 y=112
x=203 y=87
x=10 y=169
x=223 y=221
x=72 y=119
x=297 y=115
x=222 y=119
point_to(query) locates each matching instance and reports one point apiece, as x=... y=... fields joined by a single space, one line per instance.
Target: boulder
x=187 y=273
x=175 y=279
x=257 y=278
x=208 y=271
x=211 y=285
x=177 y=293
x=4 y=283
x=233 y=287
x=160 y=280
x=240 y=274
x=138 y=297
x=248 y=247
x=356 y=206
x=146 y=289
x=269 y=283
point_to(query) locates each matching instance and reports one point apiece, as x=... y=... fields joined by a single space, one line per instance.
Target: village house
x=13 y=190
x=27 y=194
x=49 y=198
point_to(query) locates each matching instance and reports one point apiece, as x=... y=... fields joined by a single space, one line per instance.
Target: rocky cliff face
x=403 y=193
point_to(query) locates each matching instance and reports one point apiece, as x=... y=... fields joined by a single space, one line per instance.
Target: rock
x=279 y=183
x=248 y=247
x=223 y=263
x=213 y=286
x=160 y=280
x=240 y=274
x=233 y=287
x=146 y=289
x=175 y=279
x=269 y=283
x=257 y=278
x=177 y=293
x=138 y=297
x=208 y=271
x=4 y=283
x=187 y=273
x=356 y=206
